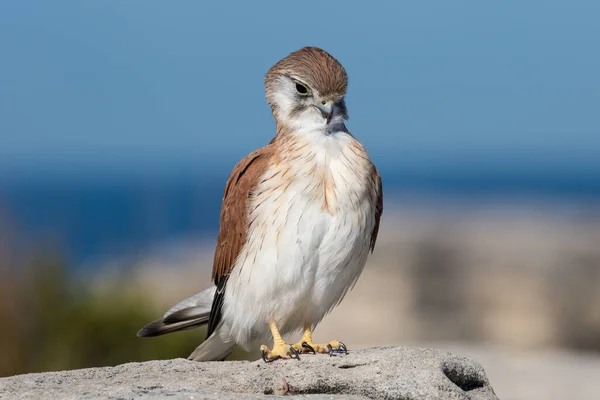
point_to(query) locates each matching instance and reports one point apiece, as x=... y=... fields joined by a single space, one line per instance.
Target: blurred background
x=120 y=122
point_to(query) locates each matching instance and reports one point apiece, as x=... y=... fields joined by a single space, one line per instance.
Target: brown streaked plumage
x=317 y=68
x=234 y=209
x=377 y=193
x=234 y=223
x=298 y=219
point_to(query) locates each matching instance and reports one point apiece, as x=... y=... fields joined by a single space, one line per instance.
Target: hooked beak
x=335 y=114
x=327 y=110
x=335 y=110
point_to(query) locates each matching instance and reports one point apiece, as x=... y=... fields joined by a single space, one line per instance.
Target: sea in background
x=98 y=217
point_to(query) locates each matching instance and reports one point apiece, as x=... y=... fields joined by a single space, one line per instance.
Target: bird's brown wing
x=232 y=233
x=378 y=190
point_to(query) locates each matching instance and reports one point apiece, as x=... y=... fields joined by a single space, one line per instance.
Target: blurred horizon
x=125 y=216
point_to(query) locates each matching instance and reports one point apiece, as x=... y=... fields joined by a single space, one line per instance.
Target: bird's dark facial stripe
x=296 y=110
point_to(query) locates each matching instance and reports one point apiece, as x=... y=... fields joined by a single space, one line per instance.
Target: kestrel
x=298 y=219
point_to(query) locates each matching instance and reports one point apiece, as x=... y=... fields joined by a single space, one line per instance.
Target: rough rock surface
x=377 y=373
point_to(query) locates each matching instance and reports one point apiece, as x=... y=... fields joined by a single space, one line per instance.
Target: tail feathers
x=216 y=348
x=190 y=313
x=187 y=314
x=170 y=324
x=204 y=300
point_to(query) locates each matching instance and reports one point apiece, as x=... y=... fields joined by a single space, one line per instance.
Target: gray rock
x=377 y=373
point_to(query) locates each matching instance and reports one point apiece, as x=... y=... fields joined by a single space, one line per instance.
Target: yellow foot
x=280 y=350
x=334 y=346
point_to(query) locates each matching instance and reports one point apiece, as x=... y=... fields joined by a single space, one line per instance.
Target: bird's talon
x=308 y=347
x=295 y=353
x=264 y=355
x=280 y=350
x=327 y=348
x=343 y=348
x=330 y=347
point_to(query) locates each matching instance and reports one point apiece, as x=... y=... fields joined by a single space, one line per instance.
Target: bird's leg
x=306 y=345
x=280 y=348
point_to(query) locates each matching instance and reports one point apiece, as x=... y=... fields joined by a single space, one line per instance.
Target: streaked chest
x=310 y=221
x=329 y=173
x=314 y=207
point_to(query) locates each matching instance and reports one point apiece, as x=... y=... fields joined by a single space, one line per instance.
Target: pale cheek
x=283 y=103
x=308 y=119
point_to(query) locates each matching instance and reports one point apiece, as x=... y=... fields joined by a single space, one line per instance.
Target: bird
x=299 y=217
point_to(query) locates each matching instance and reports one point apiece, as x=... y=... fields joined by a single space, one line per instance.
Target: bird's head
x=306 y=91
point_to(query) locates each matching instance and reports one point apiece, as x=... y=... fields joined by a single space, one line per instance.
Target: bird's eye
x=303 y=90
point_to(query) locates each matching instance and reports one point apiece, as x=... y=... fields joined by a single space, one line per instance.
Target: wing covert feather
x=234 y=210
x=378 y=208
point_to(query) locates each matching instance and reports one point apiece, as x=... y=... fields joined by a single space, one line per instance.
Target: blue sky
x=126 y=85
